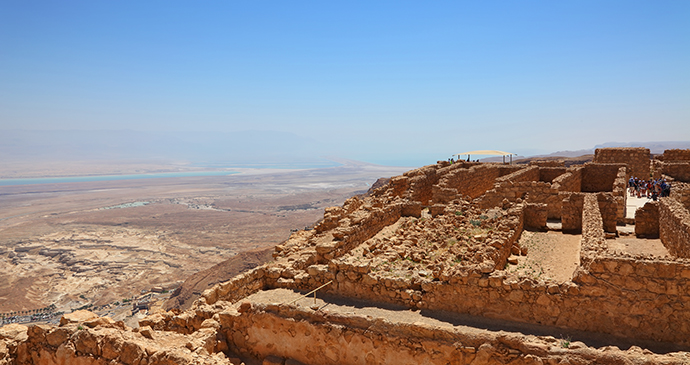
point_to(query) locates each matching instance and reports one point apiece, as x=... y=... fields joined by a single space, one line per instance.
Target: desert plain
x=84 y=244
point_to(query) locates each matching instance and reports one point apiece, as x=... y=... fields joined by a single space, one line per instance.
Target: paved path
x=633 y=203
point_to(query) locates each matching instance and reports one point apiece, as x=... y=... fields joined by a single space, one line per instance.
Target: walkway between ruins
x=632 y=203
x=463 y=322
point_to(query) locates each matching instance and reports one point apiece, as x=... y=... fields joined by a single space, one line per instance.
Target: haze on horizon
x=398 y=83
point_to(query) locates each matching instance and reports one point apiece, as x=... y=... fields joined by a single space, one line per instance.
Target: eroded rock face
x=84 y=338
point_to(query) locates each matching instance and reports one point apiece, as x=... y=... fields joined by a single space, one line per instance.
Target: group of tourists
x=651 y=189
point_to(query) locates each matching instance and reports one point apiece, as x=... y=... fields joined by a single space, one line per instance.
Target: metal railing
x=311 y=292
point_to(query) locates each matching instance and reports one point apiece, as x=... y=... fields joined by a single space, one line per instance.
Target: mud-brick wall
x=647 y=220
x=676 y=155
x=598 y=177
x=547 y=174
x=570 y=181
x=678 y=170
x=637 y=158
x=674 y=227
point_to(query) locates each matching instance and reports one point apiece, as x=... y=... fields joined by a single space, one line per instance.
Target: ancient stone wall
x=570 y=181
x=676 y=155
x=533 y=191
x=571 y=212
x=286 y=334
x=655 y=289
x=647 y=220
x=679 y=171
x=598 y=177
x=593 y=239
x=620 y=193
x=674 y=227
x=458 y=182
x=608 y=209
x=530 y=173
x=421 y=180
x=637 y=159
x=548 y=174
x=535 y=216
x=680 y=191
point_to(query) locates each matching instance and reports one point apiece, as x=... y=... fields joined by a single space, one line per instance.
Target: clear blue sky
x=385 y=82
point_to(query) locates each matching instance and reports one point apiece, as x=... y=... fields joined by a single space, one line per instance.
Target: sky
x=390 y=82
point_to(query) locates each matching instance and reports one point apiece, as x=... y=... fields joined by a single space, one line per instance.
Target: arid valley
x=82 y=244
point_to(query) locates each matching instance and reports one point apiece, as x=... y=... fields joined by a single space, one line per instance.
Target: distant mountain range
x=654 y=147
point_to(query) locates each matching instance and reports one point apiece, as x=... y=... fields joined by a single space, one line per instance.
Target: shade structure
x=486 y=152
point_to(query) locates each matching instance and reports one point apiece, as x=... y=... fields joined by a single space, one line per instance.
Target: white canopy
x=486 y=152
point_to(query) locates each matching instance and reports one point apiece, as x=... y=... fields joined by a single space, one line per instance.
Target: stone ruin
x=434 y=243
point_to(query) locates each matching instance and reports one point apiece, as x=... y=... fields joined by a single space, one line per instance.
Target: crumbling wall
x=647 y=220
x=532 y=191
x=679 y=171
x=674 y=227
x=593 y=240
x=608 y=209
x=620 y=193
x=570 y=181
x=457 y=182
x=655 y=289
x=598 y=177
x=421 y=181
x=530 y=173
x=548 y=174
x=290 y=335
x=637 y=159
x=675 y=155
x=535 y=216
x=680 y=191
x=571 y=212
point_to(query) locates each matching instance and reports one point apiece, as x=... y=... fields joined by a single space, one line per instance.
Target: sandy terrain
x=60 y=245
x=550 y=255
